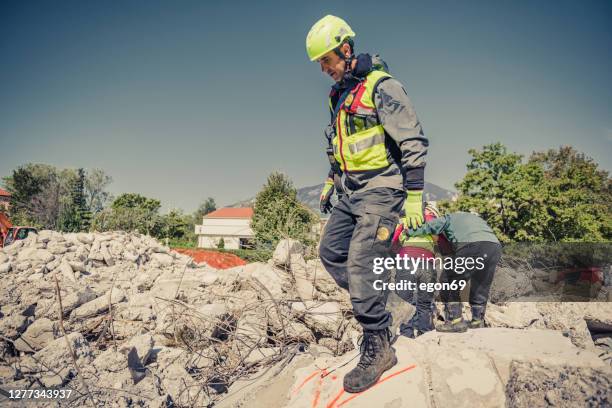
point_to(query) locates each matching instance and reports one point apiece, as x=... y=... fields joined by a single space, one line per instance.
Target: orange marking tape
x=332 y=404
x=317 y=393
x=310 y=377
x=403 y=370
x=336 y=398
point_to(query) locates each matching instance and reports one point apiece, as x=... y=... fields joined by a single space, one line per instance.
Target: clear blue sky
x=189 y=99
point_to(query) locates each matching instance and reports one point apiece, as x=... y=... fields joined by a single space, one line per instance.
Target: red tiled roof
x=244 y=212
x=4 y=193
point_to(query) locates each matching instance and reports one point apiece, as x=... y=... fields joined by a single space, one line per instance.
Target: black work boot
x=478 y=313
x=377 y=356
x=453 y=321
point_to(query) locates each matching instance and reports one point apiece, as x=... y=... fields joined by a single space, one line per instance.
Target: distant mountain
x=249 y=202
x=310 y=196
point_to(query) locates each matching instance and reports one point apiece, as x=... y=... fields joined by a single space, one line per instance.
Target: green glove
x=413 y=207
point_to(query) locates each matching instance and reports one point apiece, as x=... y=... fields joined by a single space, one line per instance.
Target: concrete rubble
x=144 y=319
x=145 y=326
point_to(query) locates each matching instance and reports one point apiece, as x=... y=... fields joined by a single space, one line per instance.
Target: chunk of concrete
x=162 y=259
x=143 y=345
x=37 y=336
x=324 y=317
x=516 y=315
x=98 y=305
x=35 y=255
x=533 y=384
x=5 y=267
x=54 y=363
x=66 y=271
x=268 y=276
x=284 y=250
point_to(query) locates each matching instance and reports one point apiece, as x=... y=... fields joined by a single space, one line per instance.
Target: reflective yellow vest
x=359 y=142
x=423 y=241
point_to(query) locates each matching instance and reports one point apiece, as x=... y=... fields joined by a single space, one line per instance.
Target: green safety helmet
x=325 y=35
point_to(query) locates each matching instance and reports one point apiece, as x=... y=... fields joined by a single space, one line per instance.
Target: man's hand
x=326 y=194
x=413 y=207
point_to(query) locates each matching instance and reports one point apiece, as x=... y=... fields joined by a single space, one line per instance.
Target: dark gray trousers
x=360 y=229
x=421 y=299
x=480 y=279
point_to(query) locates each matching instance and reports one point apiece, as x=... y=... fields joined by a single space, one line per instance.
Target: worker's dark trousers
x=480 y=278
x=421 y=299
x=360 y=229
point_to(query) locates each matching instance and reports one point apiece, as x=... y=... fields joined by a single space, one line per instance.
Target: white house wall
x=230 y=229
x=224 y=227
x=213 y=242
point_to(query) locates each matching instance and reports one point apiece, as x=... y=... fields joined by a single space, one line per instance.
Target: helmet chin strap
x=348 y=71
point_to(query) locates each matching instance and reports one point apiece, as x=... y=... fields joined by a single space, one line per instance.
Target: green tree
x=503 y=191
x=79 y=201
x=40 y=194
x=96 y=183
x=554 y=196
x=278 y=213
x=578 y=195
x=206 y=207
x=134 y=200
x=176 y=226
x=131 y=212
x=75 y=215
x=23 y=186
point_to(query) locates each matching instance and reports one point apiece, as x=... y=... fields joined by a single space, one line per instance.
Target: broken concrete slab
x=284 y=250
x=320 y=383
x=503 y=346
x=533 y=384
x=37 y=336
x=66 y=271
x=268 y=276
x=5 y=268
x=12 y=326
x=98 y=305
x=54 y=363
x=35 y=255
x=516 y=315
x=324 y=317
x=162 y=259
x=469 y=369
x=144 y=347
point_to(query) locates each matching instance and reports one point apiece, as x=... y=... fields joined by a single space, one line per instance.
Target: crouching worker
x=469 y=237
x=421 y=247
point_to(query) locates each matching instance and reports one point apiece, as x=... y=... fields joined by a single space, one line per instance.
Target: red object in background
x=240 y=212
x=217 y=260
x=588 y=274
x=11 y=233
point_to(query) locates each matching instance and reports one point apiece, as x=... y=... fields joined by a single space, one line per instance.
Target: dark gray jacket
x=404 y=135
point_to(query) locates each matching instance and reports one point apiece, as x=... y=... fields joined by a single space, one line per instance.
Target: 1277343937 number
x=39 y=394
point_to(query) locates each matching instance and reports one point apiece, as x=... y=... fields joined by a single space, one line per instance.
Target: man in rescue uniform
x=377 y=154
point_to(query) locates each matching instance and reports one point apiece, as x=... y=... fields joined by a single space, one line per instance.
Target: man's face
x=332 y=65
